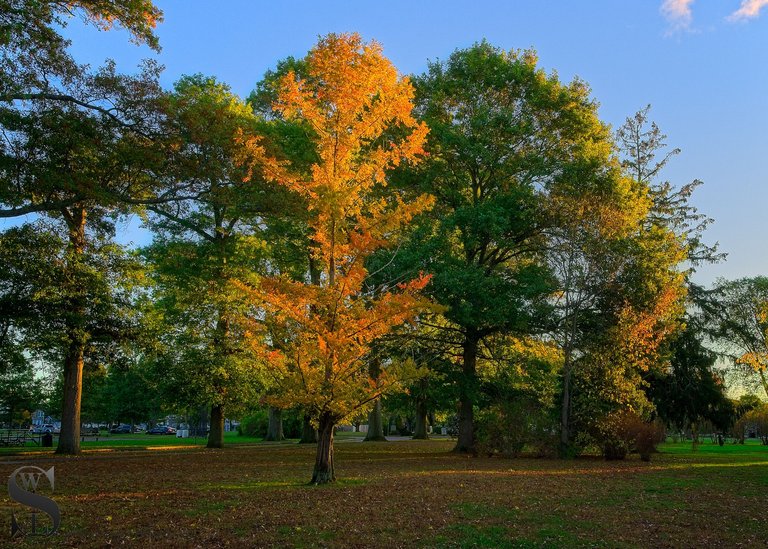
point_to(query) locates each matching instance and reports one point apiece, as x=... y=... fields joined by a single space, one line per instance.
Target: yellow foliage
x=756 y=360
x=351 y=97
x=642 y=332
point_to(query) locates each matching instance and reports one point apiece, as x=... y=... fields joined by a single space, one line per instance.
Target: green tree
x=129 y=394
x=41 y=288
x=43 y=90
x=636 y=289
x=507 y=144
x=740 y=325
x=586 y=253
x=689 y=390
x=645 y=154
x=209 y=232
x=20 y=391
x=75 y=147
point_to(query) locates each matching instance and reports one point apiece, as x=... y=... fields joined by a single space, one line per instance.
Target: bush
x=507 y=430
x=293 y=422
x=627 y=432
x=254 y=424
x=495 y=434
x=753 y=422
x=647 y=436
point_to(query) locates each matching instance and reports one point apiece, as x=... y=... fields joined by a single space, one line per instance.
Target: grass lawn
x=411 y=494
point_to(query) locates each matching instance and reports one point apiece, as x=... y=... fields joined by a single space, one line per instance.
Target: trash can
x=46 y=441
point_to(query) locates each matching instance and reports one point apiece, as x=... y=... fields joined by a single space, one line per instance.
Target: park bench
x=17 y=437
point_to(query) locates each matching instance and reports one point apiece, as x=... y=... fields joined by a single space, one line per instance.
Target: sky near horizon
x=698 y=63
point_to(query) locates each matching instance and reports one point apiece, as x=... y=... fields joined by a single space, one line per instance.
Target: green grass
x=750 y=447
x=132 y=441
x=143 y=441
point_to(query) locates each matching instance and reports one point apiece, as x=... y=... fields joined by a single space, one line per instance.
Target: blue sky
x=700 y=64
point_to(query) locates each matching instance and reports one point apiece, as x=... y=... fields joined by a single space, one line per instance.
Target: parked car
x=121 y=430
x=162 y=430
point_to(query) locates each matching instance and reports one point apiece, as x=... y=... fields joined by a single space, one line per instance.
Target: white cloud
x=678 y=12
x=749 y=9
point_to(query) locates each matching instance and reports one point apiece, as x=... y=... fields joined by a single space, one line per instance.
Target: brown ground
x=400 y=494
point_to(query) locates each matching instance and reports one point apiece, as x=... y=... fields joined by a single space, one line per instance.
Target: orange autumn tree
x=359 y=110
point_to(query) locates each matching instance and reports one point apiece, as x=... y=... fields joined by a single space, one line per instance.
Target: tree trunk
x=375 y=424
x=420 y=429
x=324 y=473
x=375 y=421
x=694 y=436
x=275 y=425
x=466 y=439
x=308 y=433
x=69 y=437
x=565 y=410
x=216 y=434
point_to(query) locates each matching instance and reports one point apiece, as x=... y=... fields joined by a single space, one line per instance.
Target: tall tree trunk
x=324 y=472
x=221 y=335
x=420 y=429
x=466 y=440
x=221 y=343
x=216 y=434
x=69 y=437
x=565 y=409
x=275 y=425
x=308 y=432
x=375 y=424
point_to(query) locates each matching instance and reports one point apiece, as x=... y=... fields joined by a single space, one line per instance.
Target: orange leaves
x=352 y=97
x=251 y=156
x=758 y=360
x=360 y=110
x=334 y=326
x=353 y=93
x=642 y=332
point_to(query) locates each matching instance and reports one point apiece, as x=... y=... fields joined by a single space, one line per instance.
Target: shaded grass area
x=145 y=441
x=406 y=494
x=131 y=441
